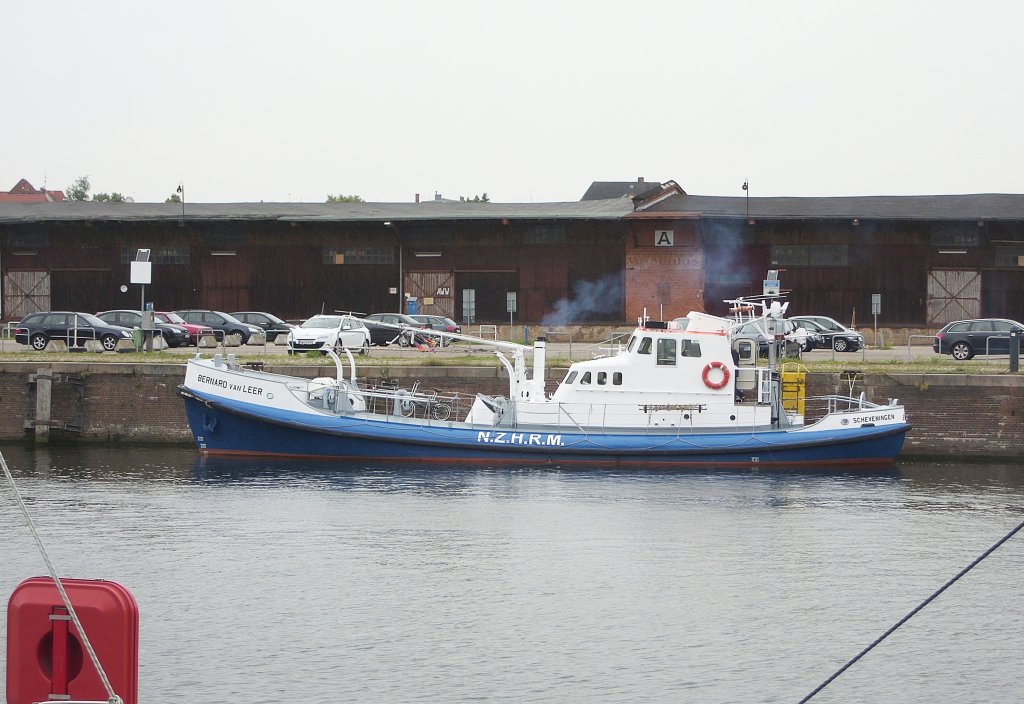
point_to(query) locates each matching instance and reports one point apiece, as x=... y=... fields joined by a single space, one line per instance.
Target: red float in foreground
x=46 y=659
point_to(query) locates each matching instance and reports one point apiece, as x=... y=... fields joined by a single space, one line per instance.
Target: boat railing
x=386 y=397
x=610 y=347
x=837 y=403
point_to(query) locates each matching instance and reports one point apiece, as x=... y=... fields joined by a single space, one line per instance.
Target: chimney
x=640 y=179
x=417 y=197
x=437 y=196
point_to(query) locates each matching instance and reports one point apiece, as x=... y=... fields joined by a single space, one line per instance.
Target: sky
x=526 y=101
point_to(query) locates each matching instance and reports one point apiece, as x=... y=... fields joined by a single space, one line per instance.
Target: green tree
x=108 y=198
x=175 y=198
x=344 y=199
x=477 y=199
x=79 y=190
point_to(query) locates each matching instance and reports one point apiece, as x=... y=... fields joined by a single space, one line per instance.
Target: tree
x=175 y=198
x=344 y=199
x=79 y=190
x=108 y=198
x=477 y=199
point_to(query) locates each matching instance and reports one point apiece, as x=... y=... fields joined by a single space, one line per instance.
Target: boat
x=679 y=393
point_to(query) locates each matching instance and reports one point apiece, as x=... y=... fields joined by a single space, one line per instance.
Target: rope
x=920 y=606
x=113 y=698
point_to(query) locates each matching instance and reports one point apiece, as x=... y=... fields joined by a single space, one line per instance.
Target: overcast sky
x=525 y=101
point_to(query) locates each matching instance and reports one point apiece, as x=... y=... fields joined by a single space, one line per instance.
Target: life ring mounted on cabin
x=706 y=375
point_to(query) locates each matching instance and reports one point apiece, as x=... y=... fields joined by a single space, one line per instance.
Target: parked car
x=37 y=329
x=271 y=324
x=441 y=324
x=965 y=338
x=386 y=328
x=195 y=331
x=795 y=338
x=338 y=331
x=835 y=334
x=227 y=324
x=174 y=335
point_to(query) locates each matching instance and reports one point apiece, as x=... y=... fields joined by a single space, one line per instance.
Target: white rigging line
x=113 y=698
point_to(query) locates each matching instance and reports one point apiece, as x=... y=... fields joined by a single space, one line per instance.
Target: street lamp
x=401 y=273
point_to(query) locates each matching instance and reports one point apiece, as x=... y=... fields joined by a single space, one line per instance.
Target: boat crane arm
x=500 y=344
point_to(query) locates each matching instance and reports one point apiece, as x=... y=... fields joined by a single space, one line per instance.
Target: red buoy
x=46 y=659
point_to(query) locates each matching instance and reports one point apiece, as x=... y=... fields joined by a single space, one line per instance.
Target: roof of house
x=25 y=192
x=641 y=188
x=980 y=206
x=68 y=211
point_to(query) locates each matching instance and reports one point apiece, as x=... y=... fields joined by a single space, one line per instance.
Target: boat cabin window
x=617 y=378
x=645 y=346
x=585 y=379
x=746 y=352
x=632 y=341
x=602 y=378
x=571 y=377
x=666 y=351
x=689 y=348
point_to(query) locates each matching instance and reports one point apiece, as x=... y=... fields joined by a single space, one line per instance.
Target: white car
x=337 y=331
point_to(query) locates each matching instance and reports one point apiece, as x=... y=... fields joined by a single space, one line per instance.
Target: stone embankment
x=952 y=414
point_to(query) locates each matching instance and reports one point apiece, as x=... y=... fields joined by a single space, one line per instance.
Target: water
x=273 y=581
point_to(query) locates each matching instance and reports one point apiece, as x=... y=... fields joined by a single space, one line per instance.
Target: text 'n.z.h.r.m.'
x=502 y=438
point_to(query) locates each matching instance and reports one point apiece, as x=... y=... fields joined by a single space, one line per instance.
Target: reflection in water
x=268 y=580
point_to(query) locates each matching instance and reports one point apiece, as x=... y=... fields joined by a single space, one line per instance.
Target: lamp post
x=746 y=190
x=401 y=273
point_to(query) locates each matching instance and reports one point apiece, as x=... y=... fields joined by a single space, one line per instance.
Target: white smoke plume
x=590 y=299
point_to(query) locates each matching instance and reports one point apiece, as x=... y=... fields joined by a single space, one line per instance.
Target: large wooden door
x=434 y=292
x=25 y=292
x=953 y=294
x=226 y=282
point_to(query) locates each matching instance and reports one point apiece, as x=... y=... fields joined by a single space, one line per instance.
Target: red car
x=194 y=331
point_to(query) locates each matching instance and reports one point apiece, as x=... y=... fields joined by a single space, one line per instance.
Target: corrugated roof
x=981 y=206
x=71 y=211
x=943 y=207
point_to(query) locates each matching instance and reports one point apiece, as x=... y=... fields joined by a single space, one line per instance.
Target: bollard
x=1014 y=352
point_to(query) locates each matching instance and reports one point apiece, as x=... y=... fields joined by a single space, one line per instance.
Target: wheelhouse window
x=585 y=379
x=571 y=377
x=689 y=348
x=602 y=378
x=666 y=351
x=617 y=379
x=632 y=341
x=645 y=346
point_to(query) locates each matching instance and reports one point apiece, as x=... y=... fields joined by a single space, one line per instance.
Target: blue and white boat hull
x=225 y=426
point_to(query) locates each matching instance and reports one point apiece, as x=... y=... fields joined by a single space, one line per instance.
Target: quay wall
x=952 y=414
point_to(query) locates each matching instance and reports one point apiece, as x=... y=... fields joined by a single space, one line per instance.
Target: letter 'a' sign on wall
x=663 y=238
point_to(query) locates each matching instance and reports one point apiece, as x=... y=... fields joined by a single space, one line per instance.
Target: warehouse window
x=816 y=255
x=359 y=255
x=160 y=255
x=544 y=234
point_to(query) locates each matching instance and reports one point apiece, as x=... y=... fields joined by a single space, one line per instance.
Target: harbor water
x=272 y=581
